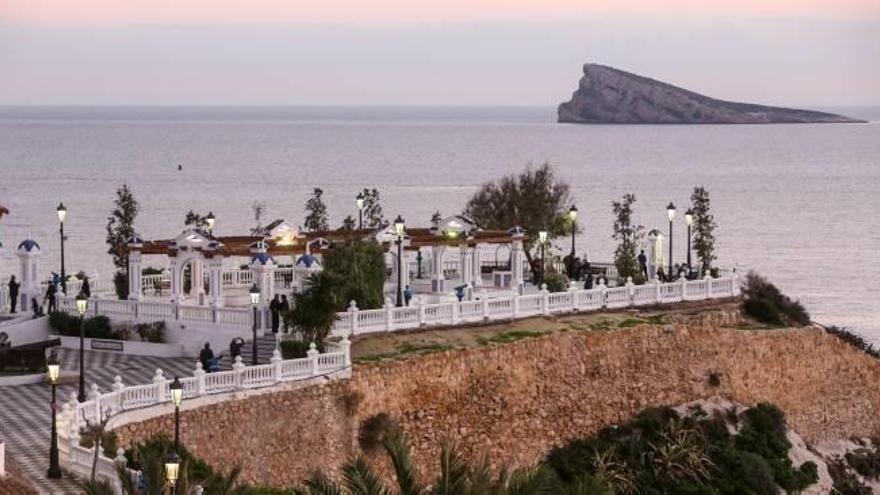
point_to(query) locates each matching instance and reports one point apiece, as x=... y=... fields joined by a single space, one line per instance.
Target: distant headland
x=607 y=95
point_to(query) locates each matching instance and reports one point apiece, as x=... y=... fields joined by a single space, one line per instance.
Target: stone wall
x=515 y=401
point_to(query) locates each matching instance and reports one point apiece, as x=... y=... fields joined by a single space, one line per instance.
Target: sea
x=799 y=204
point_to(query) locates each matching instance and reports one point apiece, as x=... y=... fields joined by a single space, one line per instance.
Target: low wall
x=515 y=401
x=26 y=330
x=132 y=347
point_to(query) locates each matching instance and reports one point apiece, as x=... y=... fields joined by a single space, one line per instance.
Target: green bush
x=845 y=482
x=151 y=332
x=556 y=282
x=765 y=303
x=294 y=349
x=374 y=430
x=96 y=327
x=866 y=461
x=120 y=285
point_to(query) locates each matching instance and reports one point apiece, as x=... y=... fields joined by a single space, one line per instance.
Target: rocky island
x=607 y=95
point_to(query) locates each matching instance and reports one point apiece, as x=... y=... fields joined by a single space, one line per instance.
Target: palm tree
x=313 y=312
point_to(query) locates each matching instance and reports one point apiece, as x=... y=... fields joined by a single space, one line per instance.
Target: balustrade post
x=603 y=296
x=175 y=310
x=312 y=353
x=389 y=316
x=484 y=305
x=708 y=279
x=545 y=300
x=572 y=293
x=120 y=460
x=276 y=364
x=630 y=291
x=95 y=305
x=455 y=312
x=345 y=345
x=353 y=317
x=422 y=314
x=735 y=288
x=515 y=303
x=118 y=387
x=683 y=283
x=199 y=375
x=238 y=370
x=159 y=382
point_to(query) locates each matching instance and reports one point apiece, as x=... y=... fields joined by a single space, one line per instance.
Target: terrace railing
x=150 y=311
x=389 y=318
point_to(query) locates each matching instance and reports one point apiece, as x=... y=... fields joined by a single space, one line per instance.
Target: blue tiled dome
x=28 y=245
x=306 y=260
x=263 y=258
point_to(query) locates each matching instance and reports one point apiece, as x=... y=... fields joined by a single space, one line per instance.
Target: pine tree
x=120 y=228
x=373 y=215
x=316 y=212
x=704 y=229
x=628 y=237
x=193 y=219
x=435 y=218
x=259 y=209
x=349 y=223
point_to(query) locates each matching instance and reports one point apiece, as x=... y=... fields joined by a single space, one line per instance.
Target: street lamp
x=689 y=220
x=255 y=300
x=670 y=212
x=176 y=390
x=62 y=214
x=209 y=220
x=54 y=370
x=172 y=469
x=359 y=199
x=572 y=215
x=542 y=238
x=82 y=304
x=399 y=229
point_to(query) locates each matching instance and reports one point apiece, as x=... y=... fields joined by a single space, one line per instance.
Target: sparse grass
x=410 y=348
x=511 y=336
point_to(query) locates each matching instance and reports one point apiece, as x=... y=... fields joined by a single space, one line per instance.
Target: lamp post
x=62 y=214
x=176 y=390
x=670 y=212
x=209 y=220
x=255 y=300
x=419 y=263
x=359 y=199
x=172 y=469
x=82 y=304
x=572 y=216
x=399 y=229
x=54 y=370
x=689 y=220
x=542 y=238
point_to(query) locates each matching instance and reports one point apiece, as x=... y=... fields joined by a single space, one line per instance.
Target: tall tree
x=373 y=215
x=193 y=219
x=534 y=199
x=316 y=212
x=349 y=223
x=628 y=236
x=704 y=229
x=436 y=217
x=120 y=228
x=259 y=209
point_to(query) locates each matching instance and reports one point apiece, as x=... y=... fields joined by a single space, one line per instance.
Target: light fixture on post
x=209 y=221
x=572 y=217
x=82 y=304
x=542 y=239
x=172 y=469
x=255 y=300
x=399 y=230
x=670 y=212
x=53 y=368
x=62 y=214
x=689 y=220
x=359 y=199
x=176 y=392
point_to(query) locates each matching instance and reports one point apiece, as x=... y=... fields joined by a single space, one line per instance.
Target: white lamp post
x=670 y=212
x=62 y=214
x=399 y=230
x=255 y=300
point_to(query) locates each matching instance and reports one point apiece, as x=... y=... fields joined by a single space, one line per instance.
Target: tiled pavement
x=25 y=414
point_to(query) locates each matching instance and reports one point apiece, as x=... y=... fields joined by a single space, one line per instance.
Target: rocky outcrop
x=607 y=95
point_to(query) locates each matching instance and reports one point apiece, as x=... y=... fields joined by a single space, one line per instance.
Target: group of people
x=50 y=299
x=681 y=270
x=278 y=306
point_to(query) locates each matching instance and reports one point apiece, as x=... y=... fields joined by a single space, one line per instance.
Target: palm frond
x=319 y=484
x=480 y=478
x=361 y=479
x=400 y=454
x=454 y=471
x=529 y=482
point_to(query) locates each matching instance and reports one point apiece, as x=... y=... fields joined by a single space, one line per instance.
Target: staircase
x=265 y=348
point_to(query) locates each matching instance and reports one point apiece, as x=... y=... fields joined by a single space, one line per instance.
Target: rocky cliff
x=607 y=95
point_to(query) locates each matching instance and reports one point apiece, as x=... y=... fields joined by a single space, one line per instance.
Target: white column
x=29 y=257
x=476 y=262
x=215 y=277
x=135 y=288
x=264 y=277
x=198 y=281
x=438 y=280
x=466 y=265
x=516 y=263
x=176 y=269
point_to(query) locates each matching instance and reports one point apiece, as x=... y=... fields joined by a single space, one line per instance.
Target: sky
x=814 y=53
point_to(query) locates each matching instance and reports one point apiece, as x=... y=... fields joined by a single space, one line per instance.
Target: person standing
x=643 y=264
x=206 y=356
x=50 y=298
x=285 y=304
x=275 y=308
x=86 y=287
x=13 y=293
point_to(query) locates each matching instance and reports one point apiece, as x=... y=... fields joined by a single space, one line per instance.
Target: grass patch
x=511 y=336
x=410 y=348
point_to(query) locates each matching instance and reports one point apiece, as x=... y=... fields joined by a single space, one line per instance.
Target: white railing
x=74 y=415
x=4 y=299
x=150 y=311
x=356 y=321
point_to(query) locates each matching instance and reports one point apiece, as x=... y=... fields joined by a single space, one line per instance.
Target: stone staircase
x=265 y=347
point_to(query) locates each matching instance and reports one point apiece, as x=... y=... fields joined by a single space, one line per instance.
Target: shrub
x=765 y=303
x=374 y=430
x=866 y=461
x=64 y=324
x=845 y=482
x=120 y=284
x=96 y=327
x=294 y=349
x=556 y=282
x=854 y=340
x=151 y=332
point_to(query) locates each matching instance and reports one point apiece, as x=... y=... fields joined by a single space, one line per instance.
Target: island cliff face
x=607 y=95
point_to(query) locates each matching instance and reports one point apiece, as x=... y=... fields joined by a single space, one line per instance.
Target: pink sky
x=384 y=11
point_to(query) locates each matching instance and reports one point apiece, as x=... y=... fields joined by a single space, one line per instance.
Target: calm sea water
x=798 y=203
